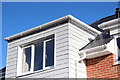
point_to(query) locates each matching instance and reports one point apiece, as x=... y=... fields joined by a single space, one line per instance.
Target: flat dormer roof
x=56 y=22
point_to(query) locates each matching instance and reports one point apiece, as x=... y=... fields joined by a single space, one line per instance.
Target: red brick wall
x=102 y=67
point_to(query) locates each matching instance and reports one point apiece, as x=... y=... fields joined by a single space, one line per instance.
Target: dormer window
x=118 y=46
x=37 y=55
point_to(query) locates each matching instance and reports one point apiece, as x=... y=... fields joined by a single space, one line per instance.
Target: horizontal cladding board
x=73 y=68
x=11 y=60
x=58 y=58
x=71 y=42
x=74 y=57
x=60 y=41
x=62 y=61
x=14 y=67
x=78 y=29
x=73 y=47
x=76 y=50
x=11 y=64
x=72 y=50
x=64 y=32
x=11 y=72
x=12 y=53
x=11 y=56
x=12 y=50
x=59 y=61
x=60 y=75
x=62 y=52
x=83 y=38
x=72 y=75
x=10 y=76
x=73 y=61
x=62 y=45
x=79 y=40
x=61 y=37
x=45 y=73
x=62 y=49
x=58 y=66
x=75 y=71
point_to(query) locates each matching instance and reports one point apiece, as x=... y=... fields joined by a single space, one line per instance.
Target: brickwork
x=102 y=67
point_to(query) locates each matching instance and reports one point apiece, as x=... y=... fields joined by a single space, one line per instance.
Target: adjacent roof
x=104 y=37
x=95 y=24
x=59 y=21
x=105 y=19
x=3 y=70
x=101 y=39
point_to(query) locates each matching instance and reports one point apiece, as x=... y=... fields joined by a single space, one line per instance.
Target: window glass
x=26 y=59
x=38 y=56
x=118 y=44
x=49 y=53
x=38 y=60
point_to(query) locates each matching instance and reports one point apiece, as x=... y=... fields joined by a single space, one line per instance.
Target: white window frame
x=20 y=55
x=116 y=50
x=32 y=59
x=44 y=54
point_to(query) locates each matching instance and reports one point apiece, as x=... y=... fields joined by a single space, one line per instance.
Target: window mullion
x=32 y=58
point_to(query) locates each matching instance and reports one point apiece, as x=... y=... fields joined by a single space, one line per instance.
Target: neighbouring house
x=2 y=73
x=66 y=48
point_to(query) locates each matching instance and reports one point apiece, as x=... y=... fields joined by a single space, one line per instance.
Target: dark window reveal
x=118 y=44
x=49 y=53
x=38 y=56
x=27 y=59
x=38 y=60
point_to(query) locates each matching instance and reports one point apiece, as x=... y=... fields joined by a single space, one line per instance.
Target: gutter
x=109 y=23
x=94 y=49
x=38 y=28
x=49 y=24
x=93 y=52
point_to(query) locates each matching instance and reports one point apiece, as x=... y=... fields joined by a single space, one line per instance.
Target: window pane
x=49 y=53
x=26 y=59
x=118 y=44
x=38 y=60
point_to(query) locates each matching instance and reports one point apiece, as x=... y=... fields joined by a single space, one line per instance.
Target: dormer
x=49 y=50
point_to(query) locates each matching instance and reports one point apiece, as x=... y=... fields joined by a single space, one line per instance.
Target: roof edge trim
x=57 y=21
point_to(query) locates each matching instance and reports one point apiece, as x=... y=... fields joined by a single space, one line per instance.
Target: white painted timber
x=69 y=39
x=61 y=68
x=78 y=38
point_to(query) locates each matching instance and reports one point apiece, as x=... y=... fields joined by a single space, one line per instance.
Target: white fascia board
x=85 y=25
x=115 y=26
x=99 y=50
x=36 y=28
x=109 y=23
x=68 y=17
x=93 y=49
x=97 y=54
x=92 y=52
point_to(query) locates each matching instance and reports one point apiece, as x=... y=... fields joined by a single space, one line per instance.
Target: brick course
x=102 y=67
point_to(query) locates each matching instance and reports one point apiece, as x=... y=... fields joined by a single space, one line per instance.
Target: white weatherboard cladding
x=77 y=39
x=61 y=68
x=68 y=40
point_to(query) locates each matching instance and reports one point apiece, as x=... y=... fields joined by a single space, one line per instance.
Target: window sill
x=42 y=70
